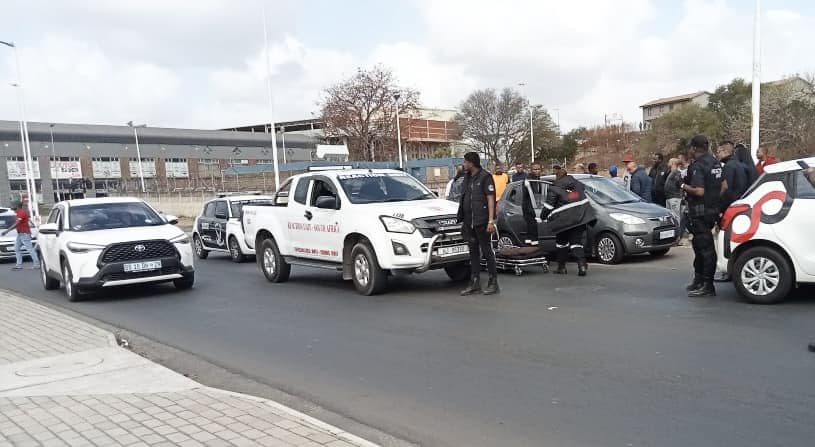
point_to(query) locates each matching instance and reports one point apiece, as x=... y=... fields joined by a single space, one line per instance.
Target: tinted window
x=106 y=216
x=8 y=220
x=321 y=188
x=301 y=191
x=209 y=210
x=805 y=184
x=221 y=209
x=514 y=195
x=54 y=216
x=237 y=205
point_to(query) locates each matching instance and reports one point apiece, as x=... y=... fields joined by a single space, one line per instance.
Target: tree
x=567 y=147
x=731 y=103
x=546 y=138
x=494 y=124
x=362 y=109
x=788 y=118
x=671 y=132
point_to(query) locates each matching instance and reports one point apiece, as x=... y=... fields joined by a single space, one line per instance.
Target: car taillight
x=730 y=213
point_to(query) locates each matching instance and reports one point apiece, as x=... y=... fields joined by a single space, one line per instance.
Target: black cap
x=699 y=142
x=473 y=158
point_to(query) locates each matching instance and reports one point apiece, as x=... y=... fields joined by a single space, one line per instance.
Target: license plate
x=667 y=234
x=451 y=251
x=142 y=266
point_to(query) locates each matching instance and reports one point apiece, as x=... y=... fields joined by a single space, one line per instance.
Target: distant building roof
x=675 y=99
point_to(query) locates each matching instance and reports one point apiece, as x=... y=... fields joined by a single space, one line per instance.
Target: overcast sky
x=200 y=63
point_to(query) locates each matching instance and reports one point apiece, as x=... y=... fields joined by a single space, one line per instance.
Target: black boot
x=492 y=286
x=473 y=288
x=561 y=268
x=582 y=268
x=695 y=284
x=706 y=289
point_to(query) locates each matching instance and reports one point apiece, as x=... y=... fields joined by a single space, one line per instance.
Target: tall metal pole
x=54 y=157
x=271 y=102
x=283 y=137
x=138 y=155
x=756 y=106
x=398 y=132
x=30 y=181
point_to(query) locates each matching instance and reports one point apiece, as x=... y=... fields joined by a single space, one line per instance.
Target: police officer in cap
x=567 y=211
x=476 y=210
x=703 y=193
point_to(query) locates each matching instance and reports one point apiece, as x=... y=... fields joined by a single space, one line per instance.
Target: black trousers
x=571 y=240
x=478 y=241
x=704 y=249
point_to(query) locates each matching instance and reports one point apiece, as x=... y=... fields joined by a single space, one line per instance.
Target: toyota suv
x=95 y=244
x=765 y=242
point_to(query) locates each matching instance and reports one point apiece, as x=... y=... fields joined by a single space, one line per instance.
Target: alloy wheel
x=362 y=270
x=760 y=276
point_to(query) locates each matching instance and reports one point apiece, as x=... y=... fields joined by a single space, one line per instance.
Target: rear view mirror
x=172 y=220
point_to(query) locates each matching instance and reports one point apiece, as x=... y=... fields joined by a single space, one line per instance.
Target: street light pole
x=54 y=157
x=756 y=99
x=398 y=131
x=271 y=103
x=138 y=153
x=24 y=139
x=531 y=125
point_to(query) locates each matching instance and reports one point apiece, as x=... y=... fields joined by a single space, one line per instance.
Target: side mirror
x=172 y=220
x=435 y=193
x=48 y=228
x=327 y=203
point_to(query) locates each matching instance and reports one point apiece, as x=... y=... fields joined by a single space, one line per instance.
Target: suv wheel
x=186 y=282
x=71 y=290
x=608 y=249
x=271 y=262
x=369 y=278
x=235 y=250
x=762 y=275
x=48 y=282
x=459 y=271
x=198 y=245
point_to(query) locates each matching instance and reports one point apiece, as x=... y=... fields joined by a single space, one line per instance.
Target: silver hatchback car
x=625 y=225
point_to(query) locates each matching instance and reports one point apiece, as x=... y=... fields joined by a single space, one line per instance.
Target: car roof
x=551 y=178
x=791 y=165
x=243 y=197
x=102 y=200
x=336 y=172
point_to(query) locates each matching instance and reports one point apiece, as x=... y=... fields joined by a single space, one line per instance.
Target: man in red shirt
x=764 y=159
x=23 y=227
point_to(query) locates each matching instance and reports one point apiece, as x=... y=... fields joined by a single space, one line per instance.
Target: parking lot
x=620 y=357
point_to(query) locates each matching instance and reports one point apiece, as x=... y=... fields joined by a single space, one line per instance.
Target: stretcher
x=516 y=258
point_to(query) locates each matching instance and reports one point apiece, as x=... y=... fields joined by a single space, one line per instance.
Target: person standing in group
x=640 y=183
x=453 y=190
x=520 y=172
x=23 y=227
x=568 y=211
x=743 y=155
x=476 y=211
x=658 y=173
x=555 y=168
x=579 y=169
x=593 y=170
x=764 y=159
x=703 y=192
x=627 y=158
x=673 y=195
x=500 y=179
x=612 y=172
x=734 y=174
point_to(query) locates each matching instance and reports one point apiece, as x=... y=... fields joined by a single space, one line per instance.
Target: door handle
x=308 y=215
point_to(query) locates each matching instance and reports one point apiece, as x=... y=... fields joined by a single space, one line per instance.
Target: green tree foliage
x=671 y=132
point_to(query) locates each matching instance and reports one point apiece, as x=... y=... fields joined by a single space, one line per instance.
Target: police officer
x=476 y=211
x=568 y=212
x=703 y=192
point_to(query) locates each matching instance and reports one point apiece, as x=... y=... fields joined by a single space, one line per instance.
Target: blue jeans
x=24 y=240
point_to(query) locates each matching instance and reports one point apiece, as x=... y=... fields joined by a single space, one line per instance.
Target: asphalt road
x=620 y=358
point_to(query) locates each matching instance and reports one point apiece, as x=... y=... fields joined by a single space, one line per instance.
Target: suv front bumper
x=113 y=274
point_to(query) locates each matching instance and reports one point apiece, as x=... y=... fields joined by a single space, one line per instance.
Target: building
x=97 y=159
x=658 y=107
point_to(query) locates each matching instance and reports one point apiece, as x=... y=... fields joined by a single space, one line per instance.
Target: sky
x=200 y=64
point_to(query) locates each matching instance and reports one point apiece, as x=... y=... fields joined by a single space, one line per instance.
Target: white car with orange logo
x=765 y=242
x=365 y=223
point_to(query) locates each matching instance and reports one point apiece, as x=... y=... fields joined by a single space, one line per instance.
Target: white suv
x=766 y=242
x=93 y=244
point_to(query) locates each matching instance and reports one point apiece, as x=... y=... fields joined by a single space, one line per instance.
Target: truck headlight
x=396 y=225
x=183 y=239
x=627 y=218
x=81 y=247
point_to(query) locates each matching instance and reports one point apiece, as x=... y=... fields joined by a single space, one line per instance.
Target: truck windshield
x=106 y=216
x=383 y=187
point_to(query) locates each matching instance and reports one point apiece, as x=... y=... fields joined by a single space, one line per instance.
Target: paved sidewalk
x=65 y=382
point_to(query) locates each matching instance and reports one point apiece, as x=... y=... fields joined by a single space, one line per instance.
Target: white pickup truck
x=368 y=224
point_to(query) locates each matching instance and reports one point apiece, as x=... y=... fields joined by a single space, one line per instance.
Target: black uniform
x=473 y=211
x=735 y=173
x=568 y=211
x=703 y=212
